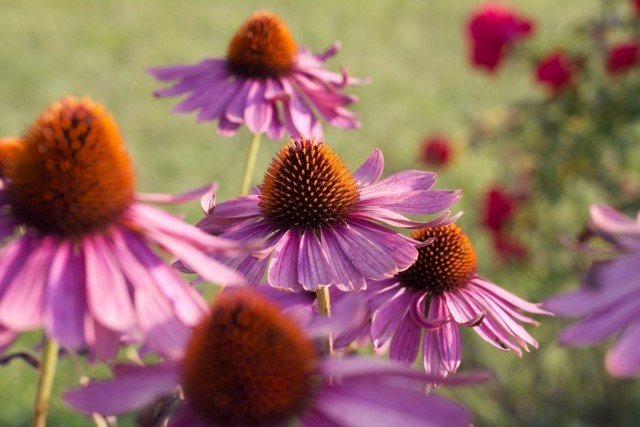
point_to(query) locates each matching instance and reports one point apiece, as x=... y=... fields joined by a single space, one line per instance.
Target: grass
x=416 y=55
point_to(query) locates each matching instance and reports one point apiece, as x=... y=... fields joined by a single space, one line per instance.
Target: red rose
x=555 y=71
x=492 y=28
x=622 y=57
x=436 y=150
x=498 y=207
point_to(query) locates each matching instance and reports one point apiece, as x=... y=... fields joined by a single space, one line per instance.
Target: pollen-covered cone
x=265 y=82
x=85 y=267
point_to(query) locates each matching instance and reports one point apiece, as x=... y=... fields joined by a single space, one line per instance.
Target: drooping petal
x=406 y=341
x=623 y=360
x=313 y=266
x=371 y=169
x=134 y=389
x=387 y=319
x=66 y=296
x=283 y=271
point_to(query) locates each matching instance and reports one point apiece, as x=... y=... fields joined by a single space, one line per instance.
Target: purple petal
x=345 y=275
x=313 y=266
x=258 y=111
x=361 y=404
x=108 y=295
x=371 y=169
x=133 y=390
x=65 y=307
x=387 y=319
x=395 y=245
x=431 y=358
x=623 y=360
x=610 y=220
x=448 y=337
x=178 y=198
x=406 y=341
x=22 y=303
x=283 y=271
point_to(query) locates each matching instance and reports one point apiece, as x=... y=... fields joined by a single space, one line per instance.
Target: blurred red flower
x=636 y=6
x=492 y=28
x=497 y=209
x=509 y=249
x=555 y=71
x=436 y=150
x=623 y=56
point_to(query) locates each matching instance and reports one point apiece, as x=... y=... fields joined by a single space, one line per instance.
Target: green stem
x=324 y=308
x=45 y=383
x=252 y=155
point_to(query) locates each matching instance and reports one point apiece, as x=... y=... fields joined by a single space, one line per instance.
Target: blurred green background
x=415 y=53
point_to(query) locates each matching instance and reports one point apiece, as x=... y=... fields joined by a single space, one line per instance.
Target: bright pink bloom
x=85 y=267
x=608 y=302
x=322 y=224
x=265 y=81
x=436 y=150
x=498 y=207
x=555 y=71
x=440 y=292
x=248 y=364
x=623 y=57
x=492 y=30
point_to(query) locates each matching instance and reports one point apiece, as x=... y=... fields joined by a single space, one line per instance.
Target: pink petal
x=65 y=306
x=125 y=393
x=313 y=266
x=283 y=271
x=371 y=169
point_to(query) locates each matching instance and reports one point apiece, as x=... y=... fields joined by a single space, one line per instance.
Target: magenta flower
x=607 y=302
x=321 y=222
x=247 y=364
x=84 y=268
x=430 y=300
x=265 y=81
x=492 y=30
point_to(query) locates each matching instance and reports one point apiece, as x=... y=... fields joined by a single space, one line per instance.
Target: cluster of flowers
x=79 y=259
x=494 y=30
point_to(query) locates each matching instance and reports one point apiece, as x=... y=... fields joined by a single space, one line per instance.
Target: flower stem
x=45 y=383
x=252 y=155
x=324 y=308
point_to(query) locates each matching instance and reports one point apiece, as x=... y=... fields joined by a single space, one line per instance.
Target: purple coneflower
x=265 y=81
x=84 y=267
x=246 y=364
x=439 y=293
x=607 y=302
x=321 y=223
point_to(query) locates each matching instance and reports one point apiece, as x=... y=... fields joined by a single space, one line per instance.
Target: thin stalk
x=45 y=383
x=250 y=165
x=324 y=308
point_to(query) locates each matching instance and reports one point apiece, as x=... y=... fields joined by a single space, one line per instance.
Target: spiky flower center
x=307 y=186
x=262 y=47
x=72 y=175
x=446 y=264
x=247 y=365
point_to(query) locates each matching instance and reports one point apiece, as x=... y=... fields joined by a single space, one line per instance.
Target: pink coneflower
x=622 y=57
x=84 y=267
x=265 y=81
x=321 y=222
x=247 y=364
x=607 y=302
x=556 y=71
x=436 y=150
x=492 y=30
x=435 y=296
